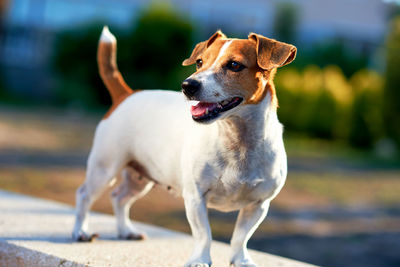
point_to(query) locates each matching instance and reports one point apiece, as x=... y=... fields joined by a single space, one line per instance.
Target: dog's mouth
x=205 y=111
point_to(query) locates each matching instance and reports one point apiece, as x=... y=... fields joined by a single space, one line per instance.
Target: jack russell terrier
x=222 y=149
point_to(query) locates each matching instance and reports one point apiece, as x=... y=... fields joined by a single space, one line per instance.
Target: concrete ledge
x=36 y=232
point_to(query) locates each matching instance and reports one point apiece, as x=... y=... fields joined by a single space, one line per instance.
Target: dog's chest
x=236 y=162
x=240 y=182
x=229 y=197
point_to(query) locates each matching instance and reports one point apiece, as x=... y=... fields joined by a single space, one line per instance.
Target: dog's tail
x=106 y=60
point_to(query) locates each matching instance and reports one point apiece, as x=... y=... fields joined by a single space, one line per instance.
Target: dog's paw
x=243 y=263
x=84 y=237
x=133 y=236
x=130 y=232
x=197 y=264
x=199 y=259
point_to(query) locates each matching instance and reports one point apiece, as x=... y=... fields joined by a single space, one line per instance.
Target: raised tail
x=112 y=78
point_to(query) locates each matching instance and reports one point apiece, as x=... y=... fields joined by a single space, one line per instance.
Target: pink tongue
x=200 y=108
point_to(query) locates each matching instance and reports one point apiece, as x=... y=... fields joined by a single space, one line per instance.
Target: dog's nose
x=190 y=87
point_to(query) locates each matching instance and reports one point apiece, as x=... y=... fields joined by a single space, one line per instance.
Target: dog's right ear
x=200 y=47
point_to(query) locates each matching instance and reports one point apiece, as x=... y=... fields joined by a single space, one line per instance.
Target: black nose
x=190 y=87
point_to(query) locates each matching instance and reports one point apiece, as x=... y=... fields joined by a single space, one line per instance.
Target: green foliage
x=360 y=134
x=75 y=63
x=323 y=103
x=323 y=116
x=155 y=50
x=366 y=125
x=392 y=75
x=149 y=56
x=2 y=87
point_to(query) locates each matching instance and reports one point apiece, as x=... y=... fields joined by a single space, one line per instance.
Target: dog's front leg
x=249 y=219
x=196 y=213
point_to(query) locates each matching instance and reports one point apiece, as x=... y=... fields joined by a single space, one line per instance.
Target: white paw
x=129 y=232
x=243 y=263
x=81 y=236
x=133 y=236
x=197 y=264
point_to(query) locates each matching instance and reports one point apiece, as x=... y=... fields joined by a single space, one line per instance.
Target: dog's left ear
x=271 y=53
x=200 y=47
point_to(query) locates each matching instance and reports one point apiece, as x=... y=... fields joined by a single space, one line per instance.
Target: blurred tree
x=360 y=133
x=322 y=116
x=366 y=125
x=392 y=77
x=333 y=52
x=285 y=22
x=75 y=62
x=149 y=56
x=156 y=48
x=393 y=10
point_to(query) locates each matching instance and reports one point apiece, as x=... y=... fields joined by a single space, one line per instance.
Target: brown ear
x=200 y=47
x=271 y=53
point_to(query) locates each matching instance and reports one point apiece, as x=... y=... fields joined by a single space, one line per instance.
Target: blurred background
x=339 y=102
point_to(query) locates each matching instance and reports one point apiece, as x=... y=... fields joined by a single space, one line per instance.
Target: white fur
x=220 y=54
x=156 y=129
x=107 y=36
x=207 y=79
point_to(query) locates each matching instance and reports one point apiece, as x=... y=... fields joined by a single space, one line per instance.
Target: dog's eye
x=235 y=66
x=199 y=63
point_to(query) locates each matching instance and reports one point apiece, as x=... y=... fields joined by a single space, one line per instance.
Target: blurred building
x=29 y=26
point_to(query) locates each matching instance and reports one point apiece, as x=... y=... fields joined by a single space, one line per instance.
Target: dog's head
x=233 y=72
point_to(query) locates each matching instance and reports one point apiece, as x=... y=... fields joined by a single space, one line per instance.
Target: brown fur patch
x=264 y=88
x=141 y=169
x=201 y=47
x=112 y=78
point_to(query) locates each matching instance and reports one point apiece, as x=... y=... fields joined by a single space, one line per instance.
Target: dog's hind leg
x=132 y=187
x=98 y=176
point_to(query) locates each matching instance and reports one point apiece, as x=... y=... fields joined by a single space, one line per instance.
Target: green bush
x=308 y=104
x=323 y=103
x=360 y=134
x=366 y=124
x=322 y=116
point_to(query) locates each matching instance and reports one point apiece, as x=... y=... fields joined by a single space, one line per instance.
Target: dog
x=219 y=144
